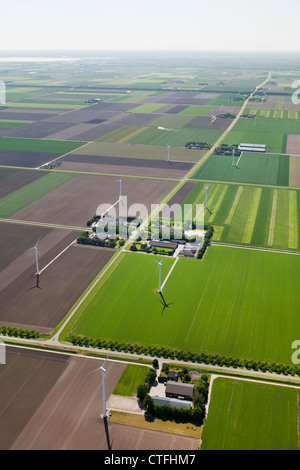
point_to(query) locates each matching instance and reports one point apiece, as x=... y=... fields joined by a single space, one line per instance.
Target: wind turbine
x=120 y=181
x=159 y=267
x=206 y=189
x=36 y=262
x=103 y=385
x=233 y=153
x=168 y=153
x=103 y=398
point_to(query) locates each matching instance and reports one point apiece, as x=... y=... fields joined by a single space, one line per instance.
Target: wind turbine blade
x=99 y=368
x=37 y=242
x=105 y=360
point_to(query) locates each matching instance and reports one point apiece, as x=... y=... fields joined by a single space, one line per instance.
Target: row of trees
x=209 y=233
x=84 y=239
x=187 y=356
x=18 y=332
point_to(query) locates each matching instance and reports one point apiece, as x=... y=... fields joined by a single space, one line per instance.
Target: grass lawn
x=39 y=145
x=24 y=196
x=132 y=377
x=252 y=168
x=250 y=416
x=258 y=320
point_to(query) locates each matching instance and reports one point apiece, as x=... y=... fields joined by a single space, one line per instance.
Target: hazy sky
x=155 y=24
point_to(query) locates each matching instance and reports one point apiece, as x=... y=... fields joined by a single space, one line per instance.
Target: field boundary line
x=256 y=248
x=273 y=218
x=234 y=205
x=41 y=224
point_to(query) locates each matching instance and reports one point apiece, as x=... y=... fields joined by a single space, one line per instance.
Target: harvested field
x=293 y=144
x=38 y=130
x=96 y=132
x=135 y=119
x=178 y=99
x=183 y=192
x=60 y=285
x=294 y=179
x=204 y=122
x=76 y=201
x=139 y=151
x=125 y=166
x=24 y=115
x=25 y=158
x=83 y=116
x=224 y=109
x=170 y=109
x=54 y=405
x=11 y=179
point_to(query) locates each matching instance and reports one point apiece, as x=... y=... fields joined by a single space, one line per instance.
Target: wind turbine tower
x=168 y=153
x=103 y=371
x=233 y=153
x=206 y=189
x=159 y=281
x=120 y=181
x=36 y=261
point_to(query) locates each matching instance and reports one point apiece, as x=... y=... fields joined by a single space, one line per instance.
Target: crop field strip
x=246 y=214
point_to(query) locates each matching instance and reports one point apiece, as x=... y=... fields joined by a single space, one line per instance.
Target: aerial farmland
x=221 y=314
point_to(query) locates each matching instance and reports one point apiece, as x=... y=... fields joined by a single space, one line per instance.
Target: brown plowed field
x=76 y=201
x=61 y=284
x=293 y=144
x=11 y=180
x=125 y=166
x=48 y=402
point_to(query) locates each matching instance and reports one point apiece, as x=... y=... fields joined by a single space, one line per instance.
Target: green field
x=250 y=215
x=263 y=125
x=21 y=198
x=175 y=137
x=234 y=302
x=39 y=145
x=275 y=142
x=266 y=169
x=250 y=416
x=132 y=377
x=147 y=108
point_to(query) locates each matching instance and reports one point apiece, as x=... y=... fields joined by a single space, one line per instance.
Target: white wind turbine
x=120 y=181
x=159 y=268
x=206 y=189
x=168 y=153
x=36 y=261
x=103 y=386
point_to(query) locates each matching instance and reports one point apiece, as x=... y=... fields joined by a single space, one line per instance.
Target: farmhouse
x=159 y=244
x=253 y=148
x=179 y=390
x=173 y=402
